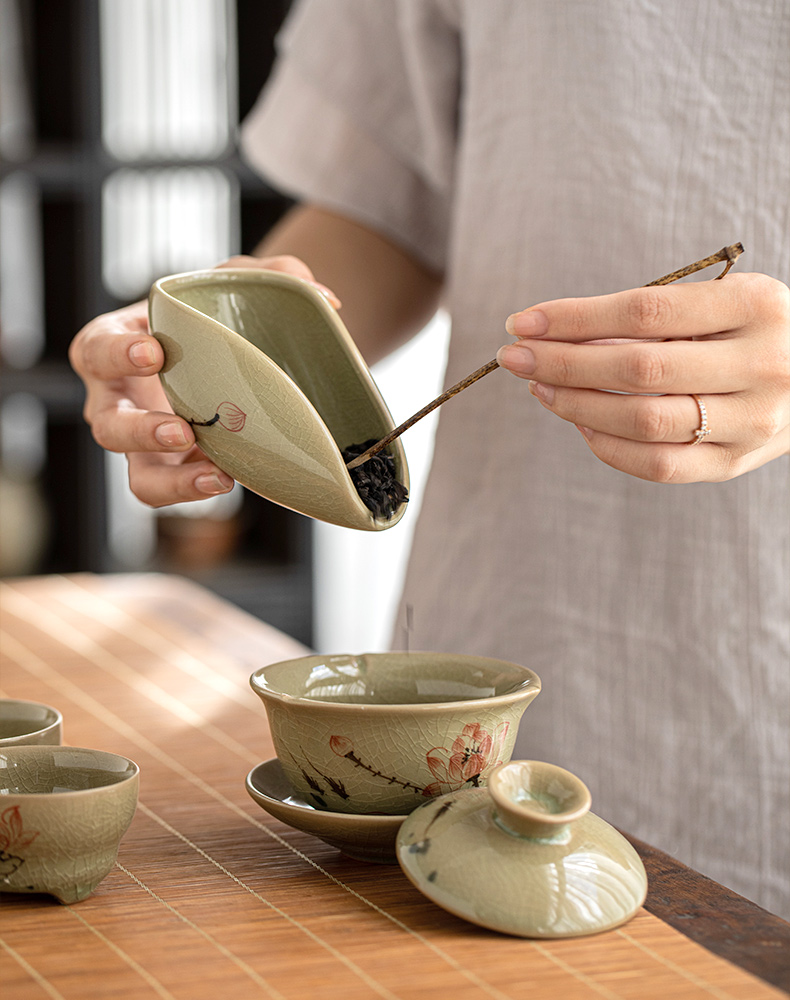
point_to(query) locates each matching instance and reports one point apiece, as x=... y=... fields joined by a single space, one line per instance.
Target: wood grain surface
x=213 y=897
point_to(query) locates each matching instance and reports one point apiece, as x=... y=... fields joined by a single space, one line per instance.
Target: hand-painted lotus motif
x=341 y=745
x=228 y=415
x=13 y=838
x=472 y=753
x=231 y=417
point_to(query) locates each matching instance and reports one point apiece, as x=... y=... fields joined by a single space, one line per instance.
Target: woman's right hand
x=126 y=407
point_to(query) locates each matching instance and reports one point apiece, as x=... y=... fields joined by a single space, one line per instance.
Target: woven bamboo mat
x=210 y=895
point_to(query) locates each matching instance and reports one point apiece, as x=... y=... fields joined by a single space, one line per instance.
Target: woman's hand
x=727 y=341
x=118 y=360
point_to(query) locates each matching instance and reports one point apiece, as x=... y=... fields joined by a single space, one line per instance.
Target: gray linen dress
x=535 y=150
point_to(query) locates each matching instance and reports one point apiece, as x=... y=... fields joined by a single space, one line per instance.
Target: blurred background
x=118 y=143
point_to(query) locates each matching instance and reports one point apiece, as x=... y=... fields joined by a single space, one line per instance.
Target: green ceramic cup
x=275 y=388
x=63 y=811
x=29 y=723
x=384 y=732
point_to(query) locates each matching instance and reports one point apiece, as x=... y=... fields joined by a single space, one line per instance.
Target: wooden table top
x=212 y=897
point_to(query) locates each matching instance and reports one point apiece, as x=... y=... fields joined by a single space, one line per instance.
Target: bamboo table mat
x=210 y=895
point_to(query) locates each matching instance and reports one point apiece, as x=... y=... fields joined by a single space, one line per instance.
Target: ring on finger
x=703 y=430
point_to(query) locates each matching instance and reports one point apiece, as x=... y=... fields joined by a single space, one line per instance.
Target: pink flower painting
x=474 y=751
x=13 y=836
x=230 y=416
x=13 y=839
x=341 y=745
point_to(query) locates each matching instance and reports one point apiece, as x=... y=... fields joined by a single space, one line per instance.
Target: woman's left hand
x=726 y=341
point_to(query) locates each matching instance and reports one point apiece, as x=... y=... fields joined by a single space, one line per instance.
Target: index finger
x=651 y=313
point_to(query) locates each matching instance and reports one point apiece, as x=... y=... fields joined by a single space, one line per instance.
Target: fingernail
x=517 y=358
x=531 y=323
x=328 y=294
x=544 y=392
x=142 y=354
x=212 y=483
x=585 y=431
x=171 y=435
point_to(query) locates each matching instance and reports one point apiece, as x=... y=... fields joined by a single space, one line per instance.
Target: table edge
x=723 y=922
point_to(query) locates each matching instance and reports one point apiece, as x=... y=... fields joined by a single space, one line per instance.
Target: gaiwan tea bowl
x=274 y=387
x=383 y=732
x=63 y=811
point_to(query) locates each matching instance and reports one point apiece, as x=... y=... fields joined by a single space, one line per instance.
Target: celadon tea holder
x=523 y=855
x=264 y=370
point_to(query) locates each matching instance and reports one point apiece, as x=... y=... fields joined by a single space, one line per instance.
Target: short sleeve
x=360 y=116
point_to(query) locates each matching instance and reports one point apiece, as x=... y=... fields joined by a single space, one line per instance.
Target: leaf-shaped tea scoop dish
x=265 y=371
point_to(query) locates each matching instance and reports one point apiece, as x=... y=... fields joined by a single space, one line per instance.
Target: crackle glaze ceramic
x=523 y=856
x=63 y=811
x=267 y=374
x=29 y=723
x=363 y=836
x=383 y=732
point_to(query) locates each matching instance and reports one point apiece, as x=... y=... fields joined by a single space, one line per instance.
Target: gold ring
x=703 y=430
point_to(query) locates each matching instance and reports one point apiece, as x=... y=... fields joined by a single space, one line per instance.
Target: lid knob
x=536 y=800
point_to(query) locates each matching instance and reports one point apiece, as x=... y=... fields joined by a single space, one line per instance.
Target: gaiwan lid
x=523 y=855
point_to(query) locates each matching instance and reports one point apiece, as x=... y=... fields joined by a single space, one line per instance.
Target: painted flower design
x=13 y=839
x=228 y=415
x=341 y=745
x=231 y=417
x=473 y=751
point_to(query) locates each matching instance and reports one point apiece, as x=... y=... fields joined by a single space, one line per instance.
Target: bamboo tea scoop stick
x=729 y=254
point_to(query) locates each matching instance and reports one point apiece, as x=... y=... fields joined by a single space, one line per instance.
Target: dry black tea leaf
x=375 y=480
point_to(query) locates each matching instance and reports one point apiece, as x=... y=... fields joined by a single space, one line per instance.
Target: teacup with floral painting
x=63 y=812
x=384 y=732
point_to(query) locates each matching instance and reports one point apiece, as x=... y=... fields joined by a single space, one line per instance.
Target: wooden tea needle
x=729 y=254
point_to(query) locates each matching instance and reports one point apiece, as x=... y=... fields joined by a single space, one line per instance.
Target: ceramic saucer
x=367 y=837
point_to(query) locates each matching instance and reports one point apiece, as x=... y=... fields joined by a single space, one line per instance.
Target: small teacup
x=383 y=732
x=63 y=811
x=29 y=722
